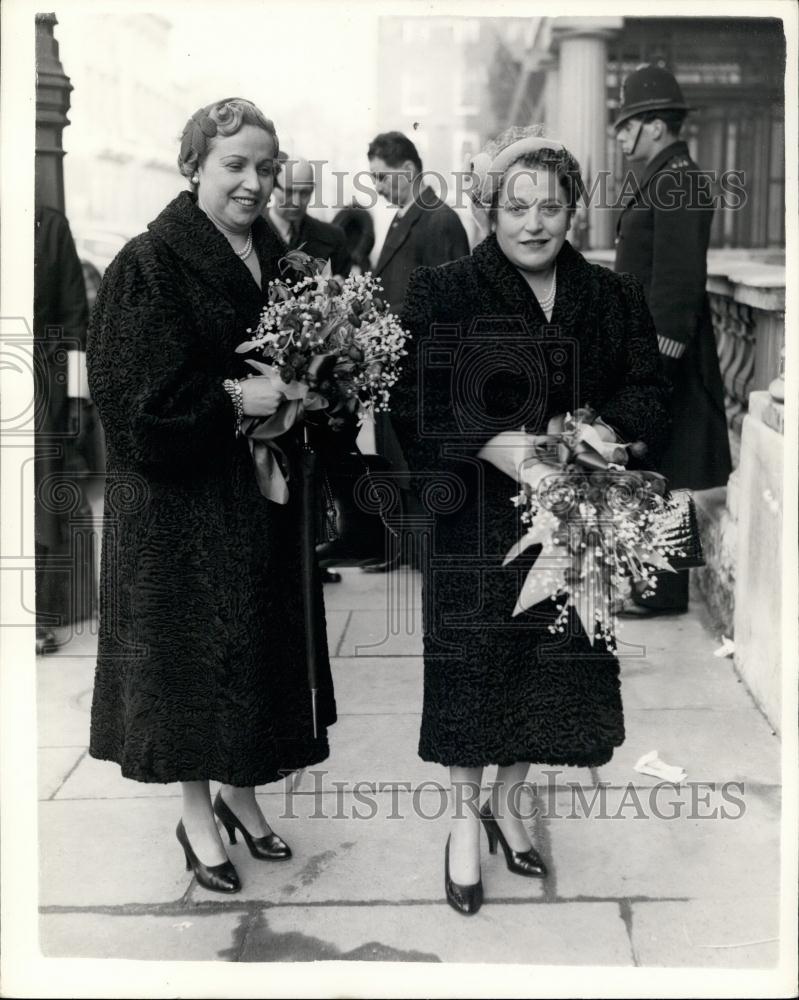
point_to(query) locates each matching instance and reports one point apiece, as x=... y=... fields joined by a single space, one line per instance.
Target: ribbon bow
x=270 y=461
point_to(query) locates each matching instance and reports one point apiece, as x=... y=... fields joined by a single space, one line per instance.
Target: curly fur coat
x=483 y=359
x=201 y=663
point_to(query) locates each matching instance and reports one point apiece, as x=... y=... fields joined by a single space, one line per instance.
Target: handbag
x=683 y=534
x=353 y=535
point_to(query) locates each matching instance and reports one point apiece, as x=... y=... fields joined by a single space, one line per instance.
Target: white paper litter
x=651 y=764
x=727 y=647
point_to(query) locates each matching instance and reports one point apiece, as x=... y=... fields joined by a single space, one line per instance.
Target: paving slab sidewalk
x=643 y=873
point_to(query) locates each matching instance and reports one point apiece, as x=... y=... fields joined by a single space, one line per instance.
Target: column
x=582 y=122
x=52 y=103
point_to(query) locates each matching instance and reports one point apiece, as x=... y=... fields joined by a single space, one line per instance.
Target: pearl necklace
x=548 y=301
x=245 y=253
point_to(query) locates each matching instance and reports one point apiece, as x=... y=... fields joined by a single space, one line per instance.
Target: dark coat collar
x=192 y=237
x=662 y=158
x=573 y=274
x=426 y=200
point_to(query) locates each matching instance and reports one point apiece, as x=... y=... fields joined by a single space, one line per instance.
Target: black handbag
x=356 y=533
x=683 y=532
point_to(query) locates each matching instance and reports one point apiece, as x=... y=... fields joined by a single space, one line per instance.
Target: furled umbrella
x=310 y=492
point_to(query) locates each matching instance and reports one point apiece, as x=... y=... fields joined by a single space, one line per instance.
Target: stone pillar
x=551 y=89
x=52 y=103
x=758 y=584
x=581 y=44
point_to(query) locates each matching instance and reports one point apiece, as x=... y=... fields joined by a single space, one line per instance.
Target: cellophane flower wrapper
x=599 y=524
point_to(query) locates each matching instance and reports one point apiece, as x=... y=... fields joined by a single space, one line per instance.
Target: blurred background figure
x=60 y=317
x=288 y=216
x=662 y=238
x=359 y=234
x=424 y=232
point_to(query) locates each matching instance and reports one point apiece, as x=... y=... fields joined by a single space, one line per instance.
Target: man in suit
x=662 y=237
x=288 y=215
x=424 y=232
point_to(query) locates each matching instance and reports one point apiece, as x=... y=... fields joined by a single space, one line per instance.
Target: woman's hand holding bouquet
x=324 y=345
x=598 y=524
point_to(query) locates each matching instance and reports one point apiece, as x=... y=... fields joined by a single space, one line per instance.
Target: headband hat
x=489 y=166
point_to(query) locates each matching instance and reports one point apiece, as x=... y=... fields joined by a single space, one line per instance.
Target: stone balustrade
x=747 y=302
x=741 y=522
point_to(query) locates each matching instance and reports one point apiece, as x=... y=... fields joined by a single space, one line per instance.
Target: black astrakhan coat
x=483 y=359
x=201 y=663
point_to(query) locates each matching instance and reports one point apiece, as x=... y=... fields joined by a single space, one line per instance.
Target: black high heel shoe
x=529 y=863
x=267 y=848
x=217 y=878
x=466 y=899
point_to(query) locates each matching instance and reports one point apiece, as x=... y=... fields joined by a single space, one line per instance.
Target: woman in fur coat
x=522 y=330
x=201 y=669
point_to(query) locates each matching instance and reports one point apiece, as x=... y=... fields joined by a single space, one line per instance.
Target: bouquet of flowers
x=329 y=345
x=599 y=524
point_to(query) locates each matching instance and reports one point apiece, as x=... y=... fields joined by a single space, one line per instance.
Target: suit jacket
x=428 y=234
x=662 y=238
x=320 y=239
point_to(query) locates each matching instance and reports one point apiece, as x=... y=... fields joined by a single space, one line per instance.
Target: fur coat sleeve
x=159 y=393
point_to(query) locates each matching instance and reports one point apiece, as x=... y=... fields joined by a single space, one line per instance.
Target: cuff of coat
x=671 y=348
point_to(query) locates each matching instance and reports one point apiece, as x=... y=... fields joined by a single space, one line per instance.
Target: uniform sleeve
x=639 y=409
x=158 y=401
x=679 y=264
x=446 y=239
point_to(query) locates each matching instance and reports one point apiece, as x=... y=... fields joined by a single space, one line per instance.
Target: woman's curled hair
x=223 y=118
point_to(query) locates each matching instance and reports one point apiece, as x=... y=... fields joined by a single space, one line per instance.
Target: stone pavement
x=641 y=875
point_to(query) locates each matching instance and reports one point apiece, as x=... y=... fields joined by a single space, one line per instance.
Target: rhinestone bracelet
x=233 y=389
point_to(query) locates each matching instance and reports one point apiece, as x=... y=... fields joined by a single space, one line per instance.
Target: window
x=468 y=82
x=413 y=93
x=734 y=82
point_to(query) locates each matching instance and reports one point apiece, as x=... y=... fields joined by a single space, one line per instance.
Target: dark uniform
x=662 y=238
x=666 y=249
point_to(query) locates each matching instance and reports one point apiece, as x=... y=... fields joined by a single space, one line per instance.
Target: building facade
x=120 y=168
x=452 y=83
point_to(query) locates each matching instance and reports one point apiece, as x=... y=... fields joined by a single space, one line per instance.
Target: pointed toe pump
x=528 y=863
x=217 y=878
x=267 y=848
x=466 y=899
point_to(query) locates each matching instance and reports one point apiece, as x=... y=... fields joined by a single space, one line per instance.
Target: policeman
x=662 y=238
